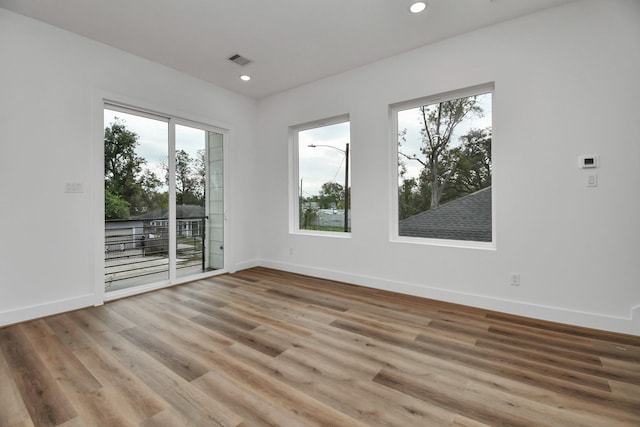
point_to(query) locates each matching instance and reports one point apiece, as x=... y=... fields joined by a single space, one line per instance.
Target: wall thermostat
x=588 y=162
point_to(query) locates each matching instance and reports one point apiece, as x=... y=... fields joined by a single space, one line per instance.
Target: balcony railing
x=137 y=251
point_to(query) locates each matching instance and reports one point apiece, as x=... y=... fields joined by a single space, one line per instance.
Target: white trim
x=137 y=290
x=394 y=233
x=97 y=208
x=334 y=120
x=126 y=109
x=155 y=111
x=200 y=125
x=444 y=96
x=294 y=175
x=227 y=231
x=245 y=265
x=226 y=185
x=332 y=234
x=463 y=244
x=294 y=179
x=620 y=324
x=171 y=154
x=635 y=319
x=47 y=309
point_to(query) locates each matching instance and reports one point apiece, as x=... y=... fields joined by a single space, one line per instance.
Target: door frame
x=101 y=100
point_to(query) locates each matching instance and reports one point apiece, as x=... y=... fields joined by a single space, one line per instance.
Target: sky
x=153 y=139
x=325 y=162
x=410 y=120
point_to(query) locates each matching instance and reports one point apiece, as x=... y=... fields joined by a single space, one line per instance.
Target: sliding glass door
x=199 y=200
x=164 y=199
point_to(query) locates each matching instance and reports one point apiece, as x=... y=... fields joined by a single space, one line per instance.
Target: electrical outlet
x=515 y=279
x=290 y=251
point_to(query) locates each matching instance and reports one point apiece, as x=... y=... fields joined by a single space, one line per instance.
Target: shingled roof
x=465 y=218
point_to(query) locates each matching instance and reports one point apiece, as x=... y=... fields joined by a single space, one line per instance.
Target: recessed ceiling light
x=245 y=78
x=418 y=7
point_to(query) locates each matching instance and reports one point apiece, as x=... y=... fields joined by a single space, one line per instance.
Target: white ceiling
x=291 y=42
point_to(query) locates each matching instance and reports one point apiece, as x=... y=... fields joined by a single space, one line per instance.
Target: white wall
x=566 y=84
x=51 y=83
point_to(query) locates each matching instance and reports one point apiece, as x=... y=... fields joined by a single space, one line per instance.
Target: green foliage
x=190 y=178
x=200 y=170
x=331 y=195
x=447 y=173
x=115 y=206
x=185 y=181
x=129 y=190
x=413 y=197
x=121 y=164
x=461 y=170
x=438 y=124
x=471 y=165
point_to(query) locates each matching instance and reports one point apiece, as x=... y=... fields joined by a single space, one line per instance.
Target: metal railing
x=137 y=249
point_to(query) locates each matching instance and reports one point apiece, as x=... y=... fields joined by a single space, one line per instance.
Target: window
x=444 y=166
x=322 y=191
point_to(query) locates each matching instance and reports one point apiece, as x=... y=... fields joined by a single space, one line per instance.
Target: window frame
x=294 y=176
x=394 y=215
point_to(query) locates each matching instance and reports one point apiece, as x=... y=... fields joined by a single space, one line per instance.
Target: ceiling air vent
x=239 y=59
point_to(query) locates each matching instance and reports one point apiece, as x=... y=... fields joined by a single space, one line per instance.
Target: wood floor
x=267 y=348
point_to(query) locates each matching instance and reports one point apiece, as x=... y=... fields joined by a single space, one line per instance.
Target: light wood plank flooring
x=268 y=348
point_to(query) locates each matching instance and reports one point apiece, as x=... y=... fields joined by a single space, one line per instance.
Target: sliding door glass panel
x=191 y=217
x=136 y=200
x=215 y=201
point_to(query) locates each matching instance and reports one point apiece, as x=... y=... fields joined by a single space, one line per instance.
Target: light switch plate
x=73 y=187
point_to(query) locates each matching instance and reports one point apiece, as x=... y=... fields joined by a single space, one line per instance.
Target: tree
x=438 y=124
x=121 y=164
x=129 y=190
x=152 y=198
x=473 y=164
x=190 y=178
x=201 y=175
x=414 y=195
x=115 y=206
x=467 y=166
x=331 y=195
x=185 y=181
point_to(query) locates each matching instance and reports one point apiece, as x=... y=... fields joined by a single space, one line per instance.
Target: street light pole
x=346 y=188
x=346 y=180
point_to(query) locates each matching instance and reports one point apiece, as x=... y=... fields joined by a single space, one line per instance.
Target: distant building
x=189 y=219
x=121 y=236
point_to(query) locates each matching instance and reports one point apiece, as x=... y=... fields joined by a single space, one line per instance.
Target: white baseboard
x=27 y=313
x=47 y=309
x=625 y=325
x=247 y=264
x=635 y=319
